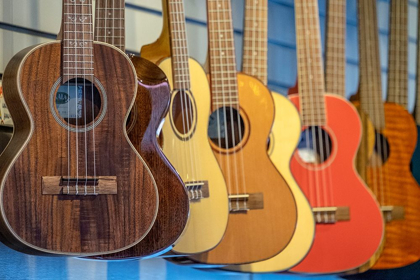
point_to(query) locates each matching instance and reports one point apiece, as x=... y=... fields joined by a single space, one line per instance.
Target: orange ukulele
x=349 y=225
x=262 y=216
x=394 y=137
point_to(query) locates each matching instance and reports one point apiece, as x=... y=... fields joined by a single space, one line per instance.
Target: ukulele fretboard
x=370 y=89
x=110 y=22
x=222 y=55
x=398 y=53
x=310 y=69
x=335 y=66
x=179 y=44
x=77 y=40
x=255 y=39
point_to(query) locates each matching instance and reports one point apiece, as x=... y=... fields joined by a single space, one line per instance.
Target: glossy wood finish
x=284 y=138
x=257 y=234
x=282 y=147
x=343 y=245
x=152 y=103
x=402 y=245
x=209 y=216
x=75 y=225
x=391 y=181
x=190 y=153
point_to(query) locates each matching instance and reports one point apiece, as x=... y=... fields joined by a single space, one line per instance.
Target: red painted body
x=344 y=245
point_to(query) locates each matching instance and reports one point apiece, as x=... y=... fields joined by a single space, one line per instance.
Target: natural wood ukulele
x=72 y=182
x=263 y=214
x=185 y=141
x=349 y=224
x=152 y=104
x=395 y=134
x=284 y=137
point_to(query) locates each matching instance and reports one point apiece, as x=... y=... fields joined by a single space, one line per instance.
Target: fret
x=110 y=22
x=310 y=68
x=335 y=48
x=398 y=53
x=370 y=67
x=254 y=58
x=222 y=60
x=179 y=44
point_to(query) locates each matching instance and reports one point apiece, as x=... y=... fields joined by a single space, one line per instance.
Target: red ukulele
x=349 y=224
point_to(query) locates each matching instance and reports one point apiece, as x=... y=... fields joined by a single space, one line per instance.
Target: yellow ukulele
x=184 y=137
x=284 y=138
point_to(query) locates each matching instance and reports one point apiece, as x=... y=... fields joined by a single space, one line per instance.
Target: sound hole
x=315 y=145
x=78 y=102
x=183 y=112
x=226 y=127
x=381 y=150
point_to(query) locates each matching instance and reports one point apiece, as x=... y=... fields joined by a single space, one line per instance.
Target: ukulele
x=263 y=211
x=388 y=169
x=349 y=224
x=415 y=160
x=151 y=105
x=72 y=182
x=185 y=142
x=283 y=141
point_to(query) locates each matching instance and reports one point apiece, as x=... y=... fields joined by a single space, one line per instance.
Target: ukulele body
x=39 y=220
x=402 y=245
x=346 y=244
x=284 y=138
x=257 y=234
x=195 y=162
x=152 y=103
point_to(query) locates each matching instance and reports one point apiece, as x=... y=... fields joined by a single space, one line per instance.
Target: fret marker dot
x=255 y=53
x=222 y=53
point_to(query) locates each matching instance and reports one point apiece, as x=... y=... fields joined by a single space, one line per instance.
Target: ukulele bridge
x=392 y=213
x=197 y=190
x=242 y=203
x=331 y=215
x=59 y=185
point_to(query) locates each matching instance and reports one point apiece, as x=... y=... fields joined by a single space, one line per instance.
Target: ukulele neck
x=223 y=80
x=110 y=22
x=77 y=41
x=398 y=53
x=335 y=58
x=310 y=69
x=179 y=44
x=254 y=56
x=370 y=88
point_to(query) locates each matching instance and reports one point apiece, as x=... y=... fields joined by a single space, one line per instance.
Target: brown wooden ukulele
x=395 y=134
x=72 y=182
x=152 y=104
x=263 y=214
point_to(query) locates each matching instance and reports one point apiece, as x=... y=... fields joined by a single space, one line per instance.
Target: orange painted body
x=344 y=245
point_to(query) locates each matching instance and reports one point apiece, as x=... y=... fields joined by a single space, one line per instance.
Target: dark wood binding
x=391 y=182
x=152 y=104
x=253 y=235
x=335 y=55
x=61 y=224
